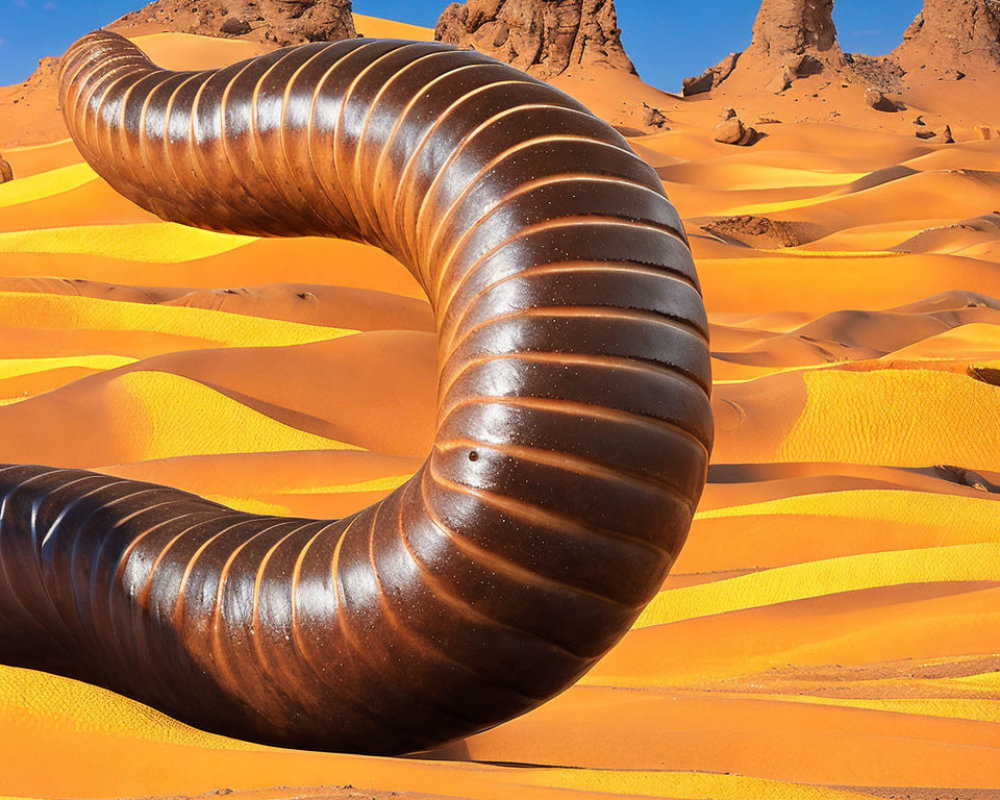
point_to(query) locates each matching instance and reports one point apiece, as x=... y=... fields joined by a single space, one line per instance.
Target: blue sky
x=667 y=39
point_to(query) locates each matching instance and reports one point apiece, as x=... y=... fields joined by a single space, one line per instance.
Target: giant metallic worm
x=573 y=419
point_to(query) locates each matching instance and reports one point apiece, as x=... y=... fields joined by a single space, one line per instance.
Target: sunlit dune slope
x=376 y=28
x=830 y=630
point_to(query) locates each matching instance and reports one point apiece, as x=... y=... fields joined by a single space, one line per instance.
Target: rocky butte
x=953 y=36
x=791 y=39
x=544 y=38
x=280 y=22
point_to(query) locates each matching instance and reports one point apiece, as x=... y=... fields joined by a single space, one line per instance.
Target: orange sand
x=830 y=630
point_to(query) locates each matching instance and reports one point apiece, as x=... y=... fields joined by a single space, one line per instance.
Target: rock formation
x=761 y=232
x=733 y=131
x=542 y=37
x=796 y=27
x=43 y=80
x=711 y=77
x=880 y=72
x=791 y=39
x=935 y=137
x=954 y=37
x=280 y=22
x=875 y=99
x=653 y=118
x=20 y=120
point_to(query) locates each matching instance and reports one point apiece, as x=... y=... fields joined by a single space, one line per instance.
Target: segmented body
x=573 y=424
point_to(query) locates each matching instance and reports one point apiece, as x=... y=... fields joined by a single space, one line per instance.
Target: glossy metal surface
x=573 y=421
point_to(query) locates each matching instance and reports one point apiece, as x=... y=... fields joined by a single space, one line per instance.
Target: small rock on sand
x=761 y=232
x=654 y=118
x=935 y=137
x=875 y=99
x=235 y=27
x=733 y=131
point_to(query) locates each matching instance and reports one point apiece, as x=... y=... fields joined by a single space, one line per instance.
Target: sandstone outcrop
x=786 y=28
x=792 y=39
x=953 y=38
x=20 y=120
x=654 y=118
x=280 y=22
x=711 y=77
x=761 y=232
x=877 y=100
x=733 y=131
x=44 y=79
x=881 y=72
x=544 y=38
x=943 y=136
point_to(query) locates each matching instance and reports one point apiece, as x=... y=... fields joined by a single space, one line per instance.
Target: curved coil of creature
x=573 y=426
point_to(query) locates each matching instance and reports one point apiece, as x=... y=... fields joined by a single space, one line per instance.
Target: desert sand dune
x=840 y=634
x=874 y=237
x=968 y=155
x=90 y=203
x=860 y=336
x=864 y=281
x=34 y=159
x=187 y=51
x=239 y=261
x=867 y=416
x=956 y=237
x=778 y=531
x=922 y=195
x=829 y=631
x=320 y=483
x=745 y=484
x=724 y=727
x=311 y=304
